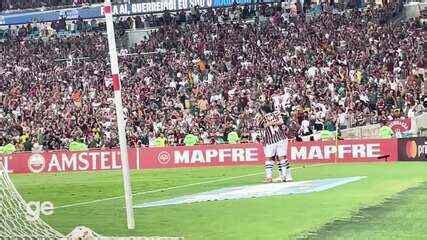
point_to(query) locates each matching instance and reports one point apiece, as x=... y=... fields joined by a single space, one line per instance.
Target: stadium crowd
x=209 y=77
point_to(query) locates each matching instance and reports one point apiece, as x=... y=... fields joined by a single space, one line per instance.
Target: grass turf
x=399 y=217
x=279 y=217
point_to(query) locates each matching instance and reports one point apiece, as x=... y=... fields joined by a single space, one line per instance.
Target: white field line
x=178 y=187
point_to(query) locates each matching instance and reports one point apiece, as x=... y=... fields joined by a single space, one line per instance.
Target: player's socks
x=269 y=170
x=282 y=169
x=288 y=172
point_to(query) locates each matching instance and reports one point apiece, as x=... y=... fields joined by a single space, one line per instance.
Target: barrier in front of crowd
x=200 y=156
x=401 y=127
x=361 y=132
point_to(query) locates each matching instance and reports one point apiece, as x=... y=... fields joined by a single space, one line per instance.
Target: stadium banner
x=32 y=16
x=66 y=161
x=401 y=125
x=202 y=155
x=153 y=6
x=413 y=149
x=139 y=158
x=366 y=150
x=157 y=6
x=222 y=3
x=97 y=11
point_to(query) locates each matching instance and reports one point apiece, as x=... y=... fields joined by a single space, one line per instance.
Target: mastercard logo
x=411 y=149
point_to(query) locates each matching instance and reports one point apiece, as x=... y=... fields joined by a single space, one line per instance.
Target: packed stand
x=210 y=77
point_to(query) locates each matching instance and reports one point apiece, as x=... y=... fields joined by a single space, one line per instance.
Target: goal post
x=16 y=221
x=121 y=125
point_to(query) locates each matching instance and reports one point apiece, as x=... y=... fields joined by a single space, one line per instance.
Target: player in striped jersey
x=273 y=133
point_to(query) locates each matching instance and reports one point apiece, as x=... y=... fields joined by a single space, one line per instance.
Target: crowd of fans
x=209 y=77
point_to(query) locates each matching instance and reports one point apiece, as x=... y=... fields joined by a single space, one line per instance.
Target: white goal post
x=121 y=124
x=16 y=219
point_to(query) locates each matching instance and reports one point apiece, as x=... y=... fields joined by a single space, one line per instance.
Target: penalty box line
x=178 y=187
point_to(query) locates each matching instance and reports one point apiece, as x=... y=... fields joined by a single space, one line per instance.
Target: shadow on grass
x=373 y=219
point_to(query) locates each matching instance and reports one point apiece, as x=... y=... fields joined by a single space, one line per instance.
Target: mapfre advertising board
x=199 y=156
x=343 y=151
x=413 y=149
x=202 y=155
x=169 y=157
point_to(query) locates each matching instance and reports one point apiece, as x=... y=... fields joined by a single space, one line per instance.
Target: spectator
x=211 y=77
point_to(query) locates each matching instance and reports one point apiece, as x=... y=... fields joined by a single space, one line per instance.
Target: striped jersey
x=272 y=128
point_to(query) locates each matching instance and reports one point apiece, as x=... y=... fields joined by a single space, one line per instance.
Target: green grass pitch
x=391 y=203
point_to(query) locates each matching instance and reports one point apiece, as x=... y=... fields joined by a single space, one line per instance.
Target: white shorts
x=276 y=149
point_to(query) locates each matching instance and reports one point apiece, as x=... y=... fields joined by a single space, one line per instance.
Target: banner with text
x=65 y=161
x=202 y=156
x=96 y=11
x=169 y=157
x=401 y=125
x=345 y=151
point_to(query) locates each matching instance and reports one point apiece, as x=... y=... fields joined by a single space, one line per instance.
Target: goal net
x=17 y=220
